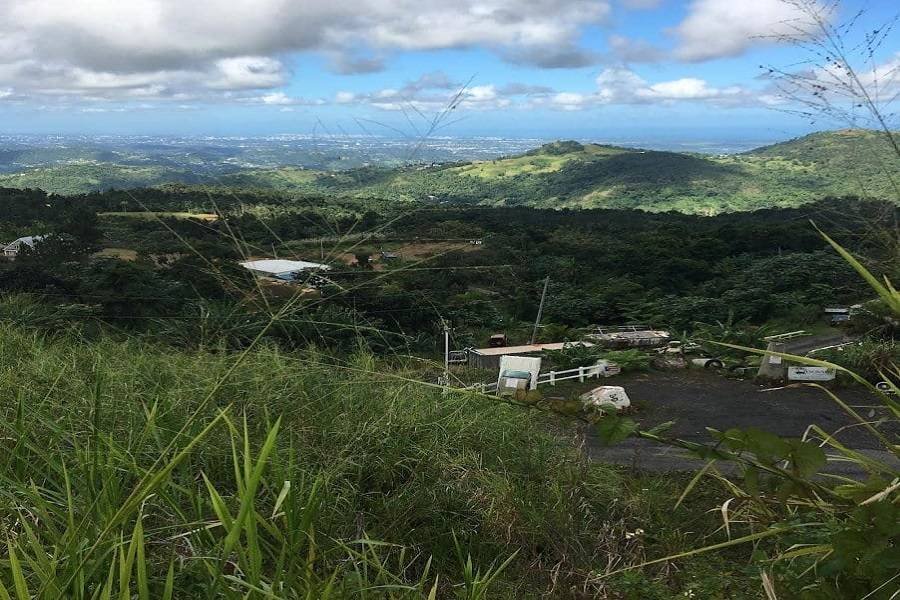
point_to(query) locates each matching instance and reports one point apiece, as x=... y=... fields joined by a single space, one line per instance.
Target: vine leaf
x=612 y=429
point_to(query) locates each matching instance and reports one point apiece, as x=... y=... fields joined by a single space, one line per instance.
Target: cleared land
x=161 y=214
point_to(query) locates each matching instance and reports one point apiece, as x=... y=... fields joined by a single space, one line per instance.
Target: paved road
x=800 y=346
x=696 y=399
x=648 y=456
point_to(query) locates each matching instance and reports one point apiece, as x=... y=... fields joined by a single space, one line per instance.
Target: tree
x=126 y=290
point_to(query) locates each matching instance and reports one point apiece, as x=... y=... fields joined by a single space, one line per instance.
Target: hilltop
x=573 y=175
x=563 y=174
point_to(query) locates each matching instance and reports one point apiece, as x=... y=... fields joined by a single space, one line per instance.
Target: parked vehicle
x=498 y=340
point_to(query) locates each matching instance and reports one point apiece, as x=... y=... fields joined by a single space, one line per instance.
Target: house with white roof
x=12 y=249
x=287 y=270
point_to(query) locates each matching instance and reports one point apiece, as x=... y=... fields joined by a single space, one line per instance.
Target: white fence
x=484 y=388
x=581 y=373
x=551 y=377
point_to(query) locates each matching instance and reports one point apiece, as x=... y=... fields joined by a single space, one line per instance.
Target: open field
x=161 y=214
x=120 y=253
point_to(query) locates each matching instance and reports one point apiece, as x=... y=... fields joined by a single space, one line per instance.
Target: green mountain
x=562 y=175
x=89 y=176
x=572 y=175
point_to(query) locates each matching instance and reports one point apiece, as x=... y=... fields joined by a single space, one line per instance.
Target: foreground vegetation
x=129 y=469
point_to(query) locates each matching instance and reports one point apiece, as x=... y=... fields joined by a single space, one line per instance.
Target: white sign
x=604 y=368
x=774 y=360
x=810 y=374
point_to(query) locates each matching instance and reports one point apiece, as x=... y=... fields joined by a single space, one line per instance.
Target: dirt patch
x=411 y=251
x=418 y=250
x=121 y=253
x=150 y=215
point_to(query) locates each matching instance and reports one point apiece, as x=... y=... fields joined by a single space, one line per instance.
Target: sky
x=605 y=69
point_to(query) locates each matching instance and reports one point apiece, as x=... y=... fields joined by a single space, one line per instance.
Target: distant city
x=215 y=154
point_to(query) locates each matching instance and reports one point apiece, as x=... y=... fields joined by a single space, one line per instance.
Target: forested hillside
x=573 y=175
x=606 y=266
x=557 y=175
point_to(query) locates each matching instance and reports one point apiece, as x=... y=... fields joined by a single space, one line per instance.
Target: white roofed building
x=12 y=249
x=489 y=358
x=286 y=270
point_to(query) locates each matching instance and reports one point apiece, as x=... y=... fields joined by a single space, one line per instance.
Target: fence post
x=581 y=374
x=552 y=377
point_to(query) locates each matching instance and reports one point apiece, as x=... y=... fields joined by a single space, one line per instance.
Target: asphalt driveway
x=696 y=399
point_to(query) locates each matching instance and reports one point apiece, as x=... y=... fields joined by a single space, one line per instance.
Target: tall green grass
x=300 y=477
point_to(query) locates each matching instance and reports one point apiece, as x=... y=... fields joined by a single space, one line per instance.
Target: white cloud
x=688 y=88
x=623 y=86
x=344 y=97
x=283 y=100
x=569 y=101
x=101 y=109
x=277 y=98
x=885 y=76
x=481 y=93
x=190 y=48
x=246 y=73
x=432 y=93
x=837 y=93
x=722 y=28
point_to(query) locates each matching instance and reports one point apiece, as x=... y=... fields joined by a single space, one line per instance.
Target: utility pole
x=537 y=322
x=446 y=354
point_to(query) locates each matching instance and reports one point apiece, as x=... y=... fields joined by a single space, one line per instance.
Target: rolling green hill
x=90 y=176
x=561 y=175
x=572 y=175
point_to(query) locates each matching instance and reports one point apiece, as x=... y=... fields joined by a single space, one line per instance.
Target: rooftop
x=277 y=266
x=28 y=240
x=631 y=335
x=528 y=348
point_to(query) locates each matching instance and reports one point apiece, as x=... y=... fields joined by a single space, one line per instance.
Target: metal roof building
x=282 y=269
x=488 y=358
x=629 y=336
x=13 y=248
